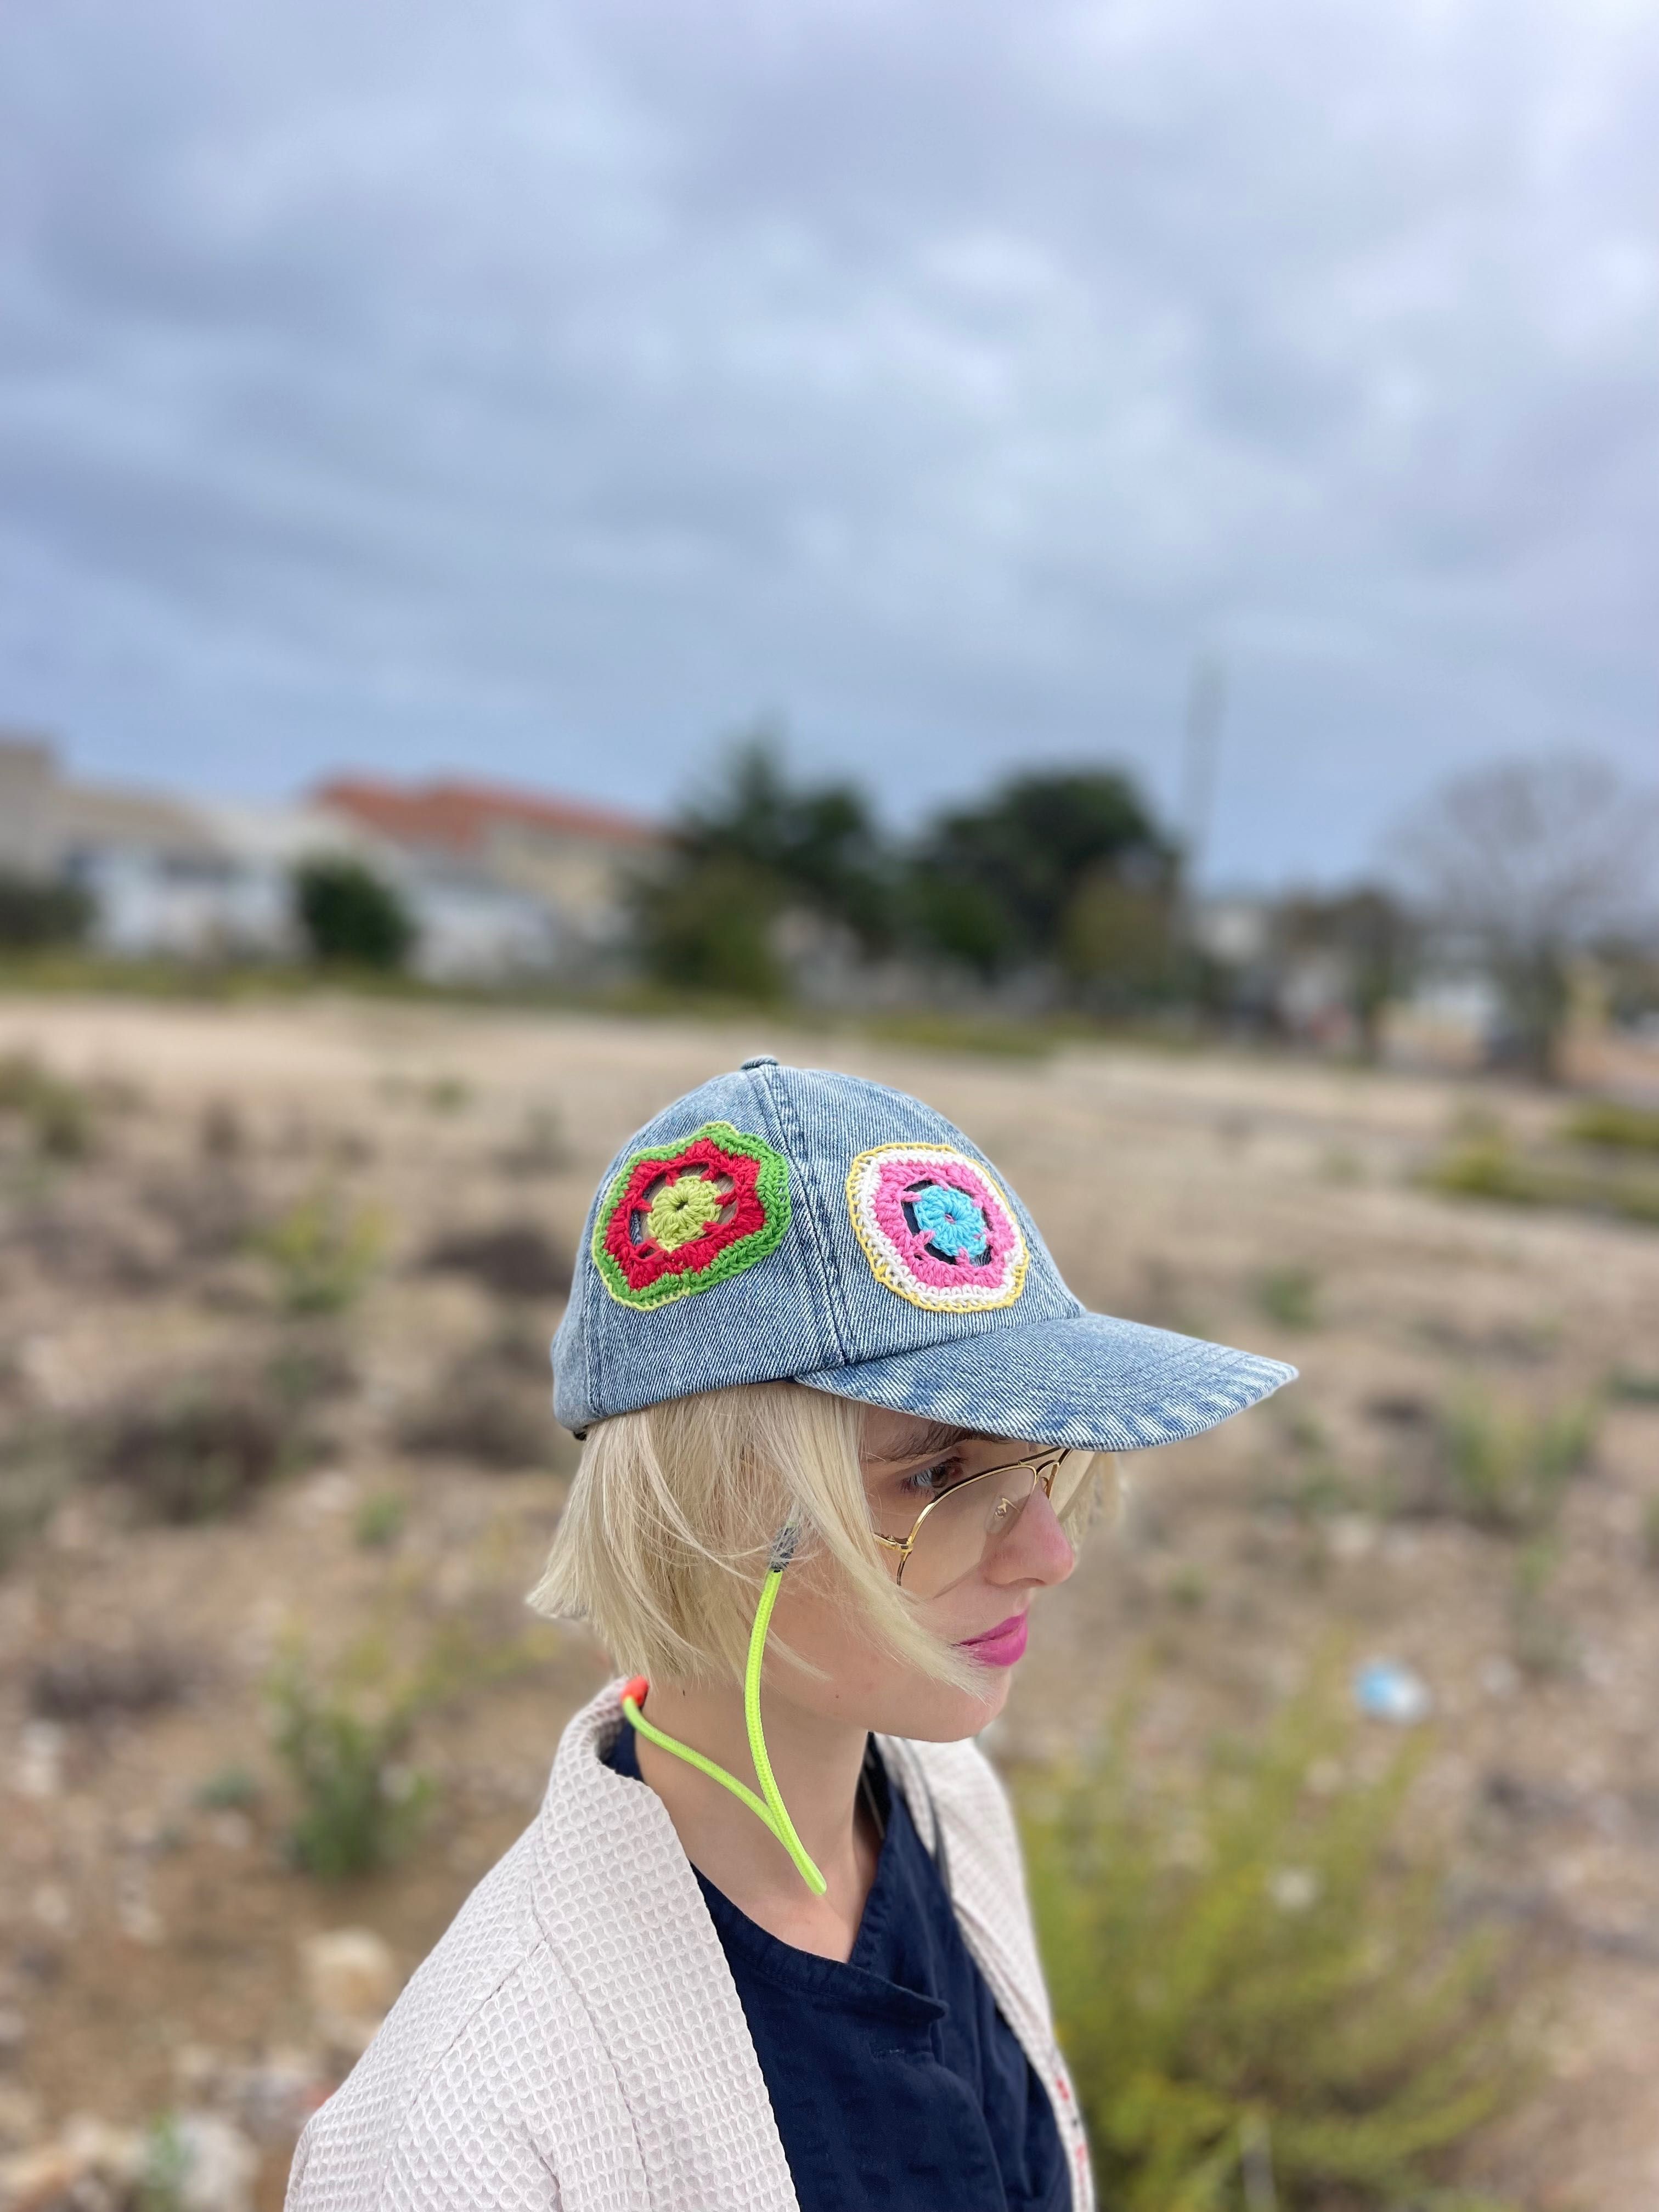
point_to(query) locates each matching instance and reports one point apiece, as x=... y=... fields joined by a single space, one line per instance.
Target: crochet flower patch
x=936 y=1228
x=683 y=1217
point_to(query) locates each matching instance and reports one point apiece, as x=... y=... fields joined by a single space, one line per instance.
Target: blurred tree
x=751 y=848
x=33 y=913
x=1372 y=935
x=708 y=925
x=1117 y=939
x=1529 y=861
x=1065 y=866
x=350 y=913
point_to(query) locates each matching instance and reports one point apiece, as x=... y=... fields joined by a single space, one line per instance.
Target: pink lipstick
x=999 y=1646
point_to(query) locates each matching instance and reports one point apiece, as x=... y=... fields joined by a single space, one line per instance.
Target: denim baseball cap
x=795 y=1223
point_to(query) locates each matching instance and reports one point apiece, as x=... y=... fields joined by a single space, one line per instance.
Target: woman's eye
x=930 y=1481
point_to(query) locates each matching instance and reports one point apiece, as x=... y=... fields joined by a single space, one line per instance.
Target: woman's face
x=907 y=1462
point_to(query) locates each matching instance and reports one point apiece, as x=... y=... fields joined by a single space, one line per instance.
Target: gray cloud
x=545 y=388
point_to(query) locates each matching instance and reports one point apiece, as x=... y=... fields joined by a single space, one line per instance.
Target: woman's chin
x=946 y=1715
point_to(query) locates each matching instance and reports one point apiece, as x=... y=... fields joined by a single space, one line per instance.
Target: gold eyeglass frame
x=1049 y=1458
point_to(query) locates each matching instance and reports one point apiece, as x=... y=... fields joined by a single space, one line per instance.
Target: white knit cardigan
x=575 y=2043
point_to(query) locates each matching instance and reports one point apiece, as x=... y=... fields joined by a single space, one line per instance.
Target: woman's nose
x=1034 y=1550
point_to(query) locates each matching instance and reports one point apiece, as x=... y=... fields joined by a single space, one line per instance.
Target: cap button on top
x=762 y=1060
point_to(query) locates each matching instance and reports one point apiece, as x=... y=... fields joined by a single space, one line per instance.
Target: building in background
x=498 y=882
x=501 y=878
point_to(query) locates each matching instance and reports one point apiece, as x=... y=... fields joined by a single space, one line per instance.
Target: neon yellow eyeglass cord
x=769 y=1808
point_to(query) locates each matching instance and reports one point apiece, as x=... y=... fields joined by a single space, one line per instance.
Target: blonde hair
x=663 y=1546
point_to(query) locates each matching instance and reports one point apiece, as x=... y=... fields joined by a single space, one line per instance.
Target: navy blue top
x=894 y=2079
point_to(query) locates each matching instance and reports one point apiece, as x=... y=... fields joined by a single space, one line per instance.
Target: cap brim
x=1089 y=1380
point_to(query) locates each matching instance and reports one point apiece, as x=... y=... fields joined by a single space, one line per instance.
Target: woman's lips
x=999 y=1646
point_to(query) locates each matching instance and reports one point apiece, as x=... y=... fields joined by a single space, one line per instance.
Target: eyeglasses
x=952 y=1532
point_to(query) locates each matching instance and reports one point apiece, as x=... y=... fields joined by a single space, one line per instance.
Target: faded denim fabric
x=1041 y=1369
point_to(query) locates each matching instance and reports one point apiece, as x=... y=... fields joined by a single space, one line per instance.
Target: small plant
x=448 y=1094
x=56 y=1114
x=33 y=1478
x=513 y=1259
x=543 y=1146
x=308 y=1367
x=483 y=1417
x=1542 y=1639
x=202 y=1448
x=1650 y=1534
x=492 y=1406
x=1507 y=1472
x=83 y=1682
x=1490 y=1166
x=1289 y=1296
x=1189 y=1589
x=232 y=1788
x=1620 y=1128
x=1254 y=1981
x=1637 y=1386
x=380 y=1521
x=1487 y=1165
x=341 y=1744
x=322 y=1251
x=165 y=2169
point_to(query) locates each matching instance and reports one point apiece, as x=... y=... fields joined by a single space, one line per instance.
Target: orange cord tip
x=634 y=1690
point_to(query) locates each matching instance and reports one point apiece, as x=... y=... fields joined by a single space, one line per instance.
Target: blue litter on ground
x=1384 y=1689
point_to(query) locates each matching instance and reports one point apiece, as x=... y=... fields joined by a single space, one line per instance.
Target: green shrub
x=1507 y=1472
x=56 y=1114
x=350 y=916
x=1637 y=1386
x=1650 y=1533
x=380 y=1521
x=342 y=1743
x=165 y=2170
x=1540 y=1634
x=490 y=1407
x=1289 y=1296
x=1255 y=1982
x=1489 y=1166
x=322 y=1251
x=543 y=1145
x=342 y=1737
x=34 y=1480
x=1606 y=1121
x=985 y=1034
x=232 y=1789
x=707 y=927
x=34 y=914
x=201 y=1447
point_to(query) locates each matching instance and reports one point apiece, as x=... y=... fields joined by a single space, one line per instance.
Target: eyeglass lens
x=952 y=1538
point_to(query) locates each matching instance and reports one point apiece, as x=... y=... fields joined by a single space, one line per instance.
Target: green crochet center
x=683 y=1210
x=771 y=1187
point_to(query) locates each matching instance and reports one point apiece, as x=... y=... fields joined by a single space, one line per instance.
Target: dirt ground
x=147 y=1937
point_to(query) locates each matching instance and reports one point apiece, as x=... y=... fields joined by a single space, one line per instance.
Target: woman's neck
x=817 y=1762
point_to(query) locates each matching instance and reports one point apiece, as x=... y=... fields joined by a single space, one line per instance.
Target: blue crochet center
x=953 y=1225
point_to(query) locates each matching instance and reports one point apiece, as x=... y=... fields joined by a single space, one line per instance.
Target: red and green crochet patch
x=683 y=1217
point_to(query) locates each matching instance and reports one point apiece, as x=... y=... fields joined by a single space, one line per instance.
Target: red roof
x=460 y=815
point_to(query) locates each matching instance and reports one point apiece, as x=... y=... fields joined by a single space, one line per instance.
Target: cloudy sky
x=541 y=387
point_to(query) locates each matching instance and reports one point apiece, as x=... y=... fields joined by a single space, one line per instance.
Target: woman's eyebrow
x=935 y=1437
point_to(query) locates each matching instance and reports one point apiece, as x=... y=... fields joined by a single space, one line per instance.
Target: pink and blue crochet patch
x=937 y=1228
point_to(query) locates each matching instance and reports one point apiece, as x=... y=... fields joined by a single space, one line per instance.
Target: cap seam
x=795 y=1141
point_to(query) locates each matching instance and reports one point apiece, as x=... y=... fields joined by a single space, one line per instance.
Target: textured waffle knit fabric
x=575 y=2043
